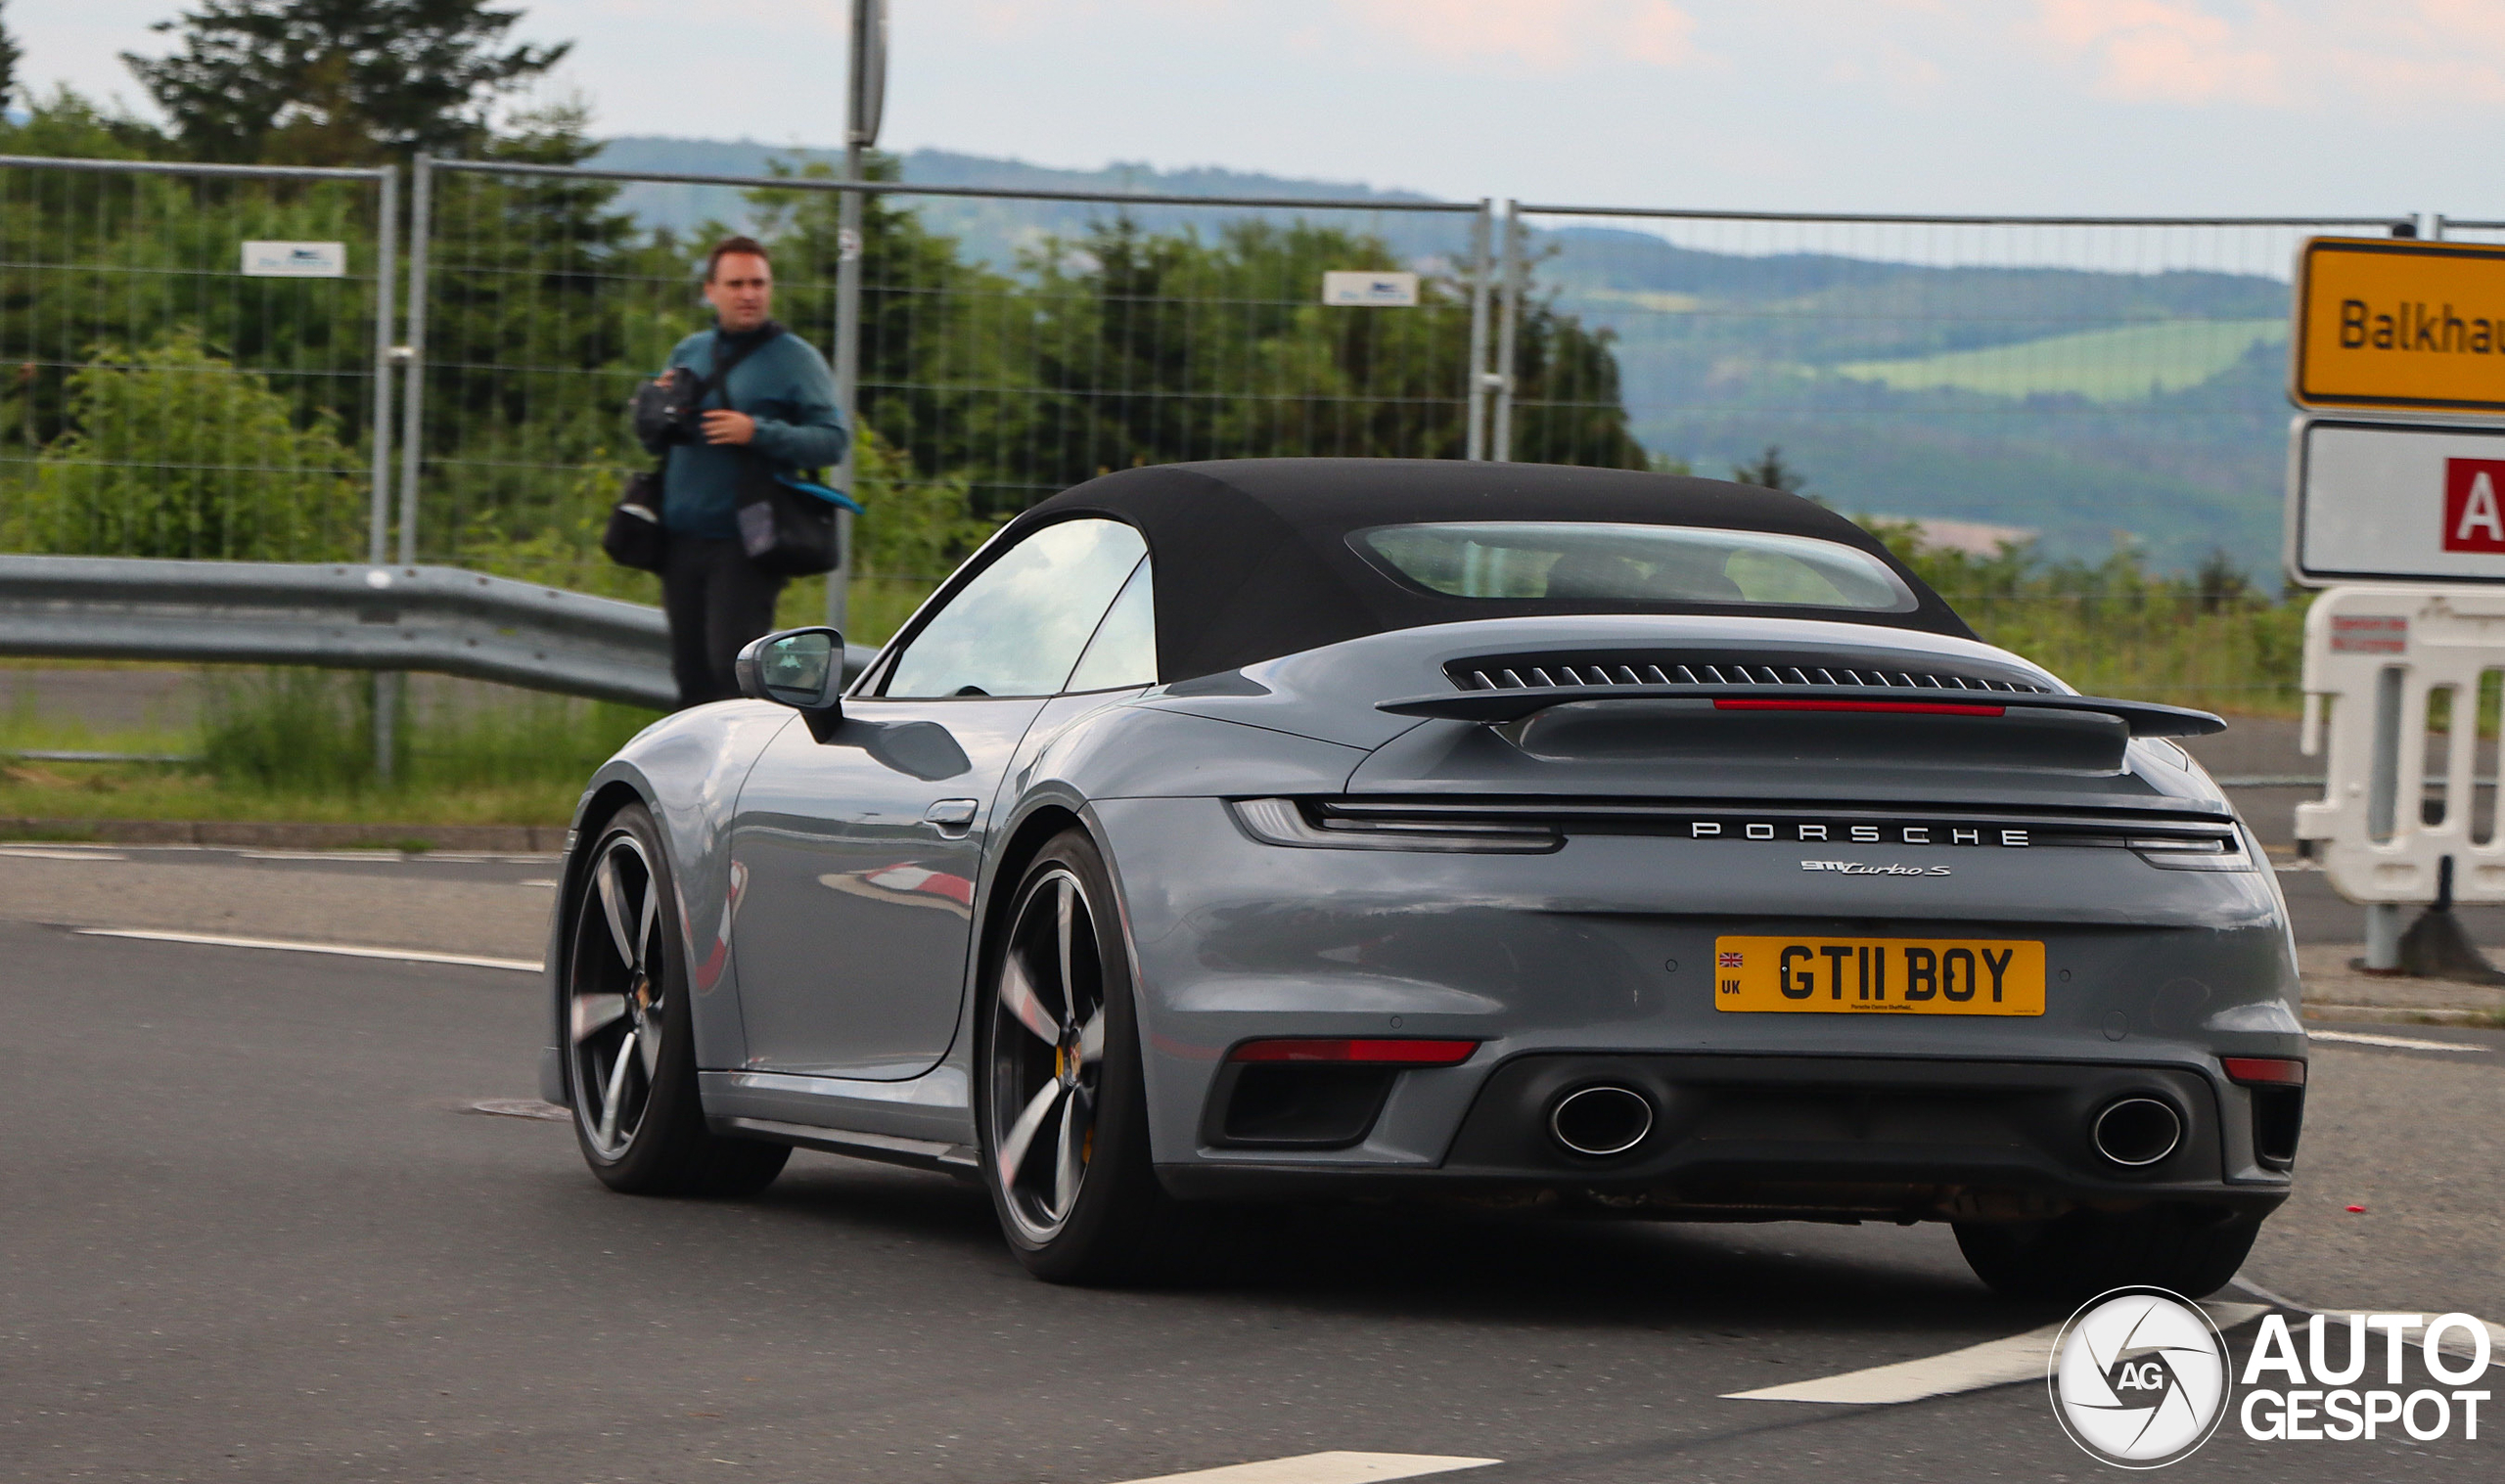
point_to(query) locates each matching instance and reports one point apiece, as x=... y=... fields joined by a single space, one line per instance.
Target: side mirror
x=799 y=668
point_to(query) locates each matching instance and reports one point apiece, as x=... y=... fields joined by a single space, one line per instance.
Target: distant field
x=2118 y=365
x=1657 y=300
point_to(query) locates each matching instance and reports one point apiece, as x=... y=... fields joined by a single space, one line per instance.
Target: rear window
x=1596 y=563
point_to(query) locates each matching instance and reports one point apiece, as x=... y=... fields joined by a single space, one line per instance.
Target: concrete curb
x=2396 y=1015
x=517 y=840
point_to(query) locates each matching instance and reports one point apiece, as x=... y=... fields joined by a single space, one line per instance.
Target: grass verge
x=298 y=747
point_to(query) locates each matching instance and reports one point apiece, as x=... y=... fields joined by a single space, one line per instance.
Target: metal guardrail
x=341 y=616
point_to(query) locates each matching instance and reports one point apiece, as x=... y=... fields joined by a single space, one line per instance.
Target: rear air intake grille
x=1603 y=670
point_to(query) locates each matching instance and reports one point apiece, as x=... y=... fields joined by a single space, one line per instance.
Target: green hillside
x=2090 y=406
x=996 y=232
x=2124 y=364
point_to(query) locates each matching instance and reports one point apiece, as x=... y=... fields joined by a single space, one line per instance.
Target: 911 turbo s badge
x=1857 y=868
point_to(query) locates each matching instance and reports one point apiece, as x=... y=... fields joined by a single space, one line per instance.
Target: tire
x=1058 y=1082
x=2191 y=1250
x=630 y=1033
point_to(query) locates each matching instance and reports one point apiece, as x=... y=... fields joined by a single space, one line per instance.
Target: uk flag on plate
x=1727 y=961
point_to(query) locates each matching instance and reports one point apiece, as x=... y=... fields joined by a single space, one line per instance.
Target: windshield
x=1601 y=563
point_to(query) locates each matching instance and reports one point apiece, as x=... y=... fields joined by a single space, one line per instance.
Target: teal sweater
x=786 y=385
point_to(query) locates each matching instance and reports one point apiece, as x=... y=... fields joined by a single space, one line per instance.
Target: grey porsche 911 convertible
x=1581 y=839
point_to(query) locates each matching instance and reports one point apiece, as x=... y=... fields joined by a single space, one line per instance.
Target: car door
x=858 y=855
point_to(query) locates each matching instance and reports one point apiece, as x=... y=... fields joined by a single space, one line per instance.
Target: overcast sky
x=2347 y=106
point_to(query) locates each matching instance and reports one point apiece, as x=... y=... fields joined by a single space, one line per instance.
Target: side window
x=1123 y=652
x=1017 y=628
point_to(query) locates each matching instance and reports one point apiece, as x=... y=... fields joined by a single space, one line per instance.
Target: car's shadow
x=1399 y=1261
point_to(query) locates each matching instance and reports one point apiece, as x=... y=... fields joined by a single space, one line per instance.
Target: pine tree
x=10 y=55
x=1769 y=470
x=336 y=81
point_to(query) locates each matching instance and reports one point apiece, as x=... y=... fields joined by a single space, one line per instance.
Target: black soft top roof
x=1252 y=560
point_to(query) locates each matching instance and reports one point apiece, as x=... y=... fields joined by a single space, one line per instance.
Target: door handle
x=951 y=817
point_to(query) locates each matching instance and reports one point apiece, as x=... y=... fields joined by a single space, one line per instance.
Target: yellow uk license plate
x=1900 y=976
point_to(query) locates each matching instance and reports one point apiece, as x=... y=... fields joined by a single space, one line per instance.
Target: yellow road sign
x=2391 y=322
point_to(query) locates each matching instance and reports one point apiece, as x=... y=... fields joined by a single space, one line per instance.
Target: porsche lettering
x=1833 y=831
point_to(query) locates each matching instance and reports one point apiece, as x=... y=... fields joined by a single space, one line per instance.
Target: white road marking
x=2454 y=1342
x=391 y=854
x=2396 y=1042
x=1993 y=1363
x=523 y=1107
x=344 y=949
x=59 y=853
x=1324 y=1468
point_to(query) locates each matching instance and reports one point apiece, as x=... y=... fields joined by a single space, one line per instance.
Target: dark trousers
x=716 y=601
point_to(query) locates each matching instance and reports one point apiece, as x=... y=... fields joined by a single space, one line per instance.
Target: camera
x=664 y=408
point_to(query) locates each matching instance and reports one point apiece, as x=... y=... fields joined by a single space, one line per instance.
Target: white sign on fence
x=296 y=259
x=2396 y=502
x=1383 y=291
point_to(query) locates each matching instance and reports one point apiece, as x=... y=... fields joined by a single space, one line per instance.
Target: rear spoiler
x=1498 y=707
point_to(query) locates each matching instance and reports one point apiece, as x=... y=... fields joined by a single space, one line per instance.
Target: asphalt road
x=252 y=1229
x=2322 y=916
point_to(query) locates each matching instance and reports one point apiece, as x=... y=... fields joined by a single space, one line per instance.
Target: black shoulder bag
x=670 y=404
x=786 y=531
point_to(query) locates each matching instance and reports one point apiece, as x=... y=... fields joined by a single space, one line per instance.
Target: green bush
x=2114 y=628
x=172 y=451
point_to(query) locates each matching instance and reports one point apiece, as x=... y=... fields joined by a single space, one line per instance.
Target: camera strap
x=719 y=379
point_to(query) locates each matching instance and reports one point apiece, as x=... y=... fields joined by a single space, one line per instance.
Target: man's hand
x=721 y=427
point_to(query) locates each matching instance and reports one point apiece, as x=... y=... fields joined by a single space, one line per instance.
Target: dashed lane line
x=1324 y=1468
x=342 y=950
x=2456 y=1341
x=521 y=1107
x=2395 y=1043
x=382 y=856
x=1993 y=1363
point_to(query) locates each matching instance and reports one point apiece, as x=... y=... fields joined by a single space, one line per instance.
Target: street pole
x=867 y=97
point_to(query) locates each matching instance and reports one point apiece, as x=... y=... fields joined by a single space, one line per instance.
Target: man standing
x=775 y=406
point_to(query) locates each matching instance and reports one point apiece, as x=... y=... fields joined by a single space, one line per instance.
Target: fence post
x=386 y=226
x=1508 y=317
x=414 y=376
x=387 y=683
x=1476 y=385
x=848 y=377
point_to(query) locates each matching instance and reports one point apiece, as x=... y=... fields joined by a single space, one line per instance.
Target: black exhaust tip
x=2137 y=1132
x=1601 y=1120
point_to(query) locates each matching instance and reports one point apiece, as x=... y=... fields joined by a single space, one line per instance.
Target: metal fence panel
x=1000 y=361
x=164 y=402
x=2079 y=380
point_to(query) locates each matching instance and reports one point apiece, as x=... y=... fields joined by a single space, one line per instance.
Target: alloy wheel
x=1047 y=1054
x=615 y=998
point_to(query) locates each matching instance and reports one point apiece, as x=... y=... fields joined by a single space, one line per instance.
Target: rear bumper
x=1769 y=1137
